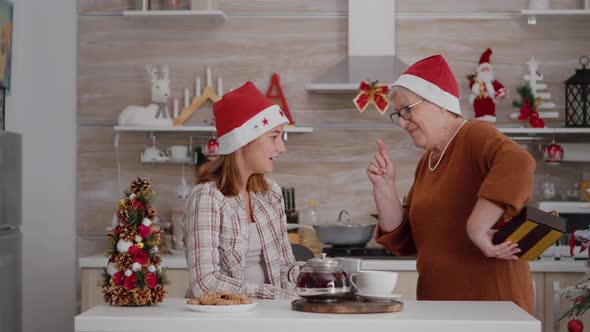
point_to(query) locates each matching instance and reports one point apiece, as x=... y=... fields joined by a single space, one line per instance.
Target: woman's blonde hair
x=224 y=171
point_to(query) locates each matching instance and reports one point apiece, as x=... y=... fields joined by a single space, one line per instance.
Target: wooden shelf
x=555 y=12
x=166 y=160
x=533 y=13
x=217 y=14
x=522 y=130
x=209 y=129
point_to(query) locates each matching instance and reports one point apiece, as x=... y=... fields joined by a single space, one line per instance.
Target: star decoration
x=265 y=121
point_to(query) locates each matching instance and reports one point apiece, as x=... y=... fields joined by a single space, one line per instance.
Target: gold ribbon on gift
x=372 y=93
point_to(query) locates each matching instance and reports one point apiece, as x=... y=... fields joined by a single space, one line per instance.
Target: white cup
x=152 y=153
x=177 y=152
x=374 y=283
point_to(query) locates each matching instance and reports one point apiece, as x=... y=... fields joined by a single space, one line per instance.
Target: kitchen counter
x=178 y=261
x=276 y=315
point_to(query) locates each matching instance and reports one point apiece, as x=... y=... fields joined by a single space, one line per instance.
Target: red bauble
x=141 y=257
x=132 y=250
x=130 y=282
x=118 y=278
x=144 y=231
x=137 y=204
x=575 y=325
x=150 y=279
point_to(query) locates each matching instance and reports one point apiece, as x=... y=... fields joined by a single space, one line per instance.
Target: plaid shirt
x=217 y=233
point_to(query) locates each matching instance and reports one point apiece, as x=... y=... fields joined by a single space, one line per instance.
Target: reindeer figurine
x=155 y=114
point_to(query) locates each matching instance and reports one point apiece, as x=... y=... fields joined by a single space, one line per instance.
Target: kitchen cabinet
x=538 y=286
x=554 y=304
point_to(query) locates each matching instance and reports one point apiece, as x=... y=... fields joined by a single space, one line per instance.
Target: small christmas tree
x=528 y=106
x=580 y=293
x=133 y=275
x=540 y=98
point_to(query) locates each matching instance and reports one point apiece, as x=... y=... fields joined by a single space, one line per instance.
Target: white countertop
x=273 y=316
x=178 y=261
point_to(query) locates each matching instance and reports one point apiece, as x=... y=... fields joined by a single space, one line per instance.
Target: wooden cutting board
x=347 y=306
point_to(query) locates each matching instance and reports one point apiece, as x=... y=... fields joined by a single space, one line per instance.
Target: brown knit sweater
x=481 y=162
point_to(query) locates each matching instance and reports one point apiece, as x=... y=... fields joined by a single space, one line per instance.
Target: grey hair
x=404 y=92
x=411 y=95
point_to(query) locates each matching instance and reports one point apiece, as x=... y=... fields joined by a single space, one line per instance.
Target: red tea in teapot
x=322 y=280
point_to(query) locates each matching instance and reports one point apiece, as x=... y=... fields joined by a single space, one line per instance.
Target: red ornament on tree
x=575 y=325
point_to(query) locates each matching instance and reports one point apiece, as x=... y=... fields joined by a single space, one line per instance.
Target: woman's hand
x=504 y=250
x=479 y=229
x=380 y=169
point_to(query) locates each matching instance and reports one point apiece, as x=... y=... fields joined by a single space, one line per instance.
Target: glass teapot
x=321 y=279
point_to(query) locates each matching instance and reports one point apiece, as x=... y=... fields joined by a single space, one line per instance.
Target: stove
x=361 y=252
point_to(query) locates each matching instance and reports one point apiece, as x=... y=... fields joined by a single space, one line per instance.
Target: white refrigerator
x=10 y=232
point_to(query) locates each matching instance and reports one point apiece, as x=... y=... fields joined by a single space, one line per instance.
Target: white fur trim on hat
x=430 y=92
x=252 y=129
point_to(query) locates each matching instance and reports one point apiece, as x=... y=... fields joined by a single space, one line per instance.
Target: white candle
x=208 y=76
x=219 y=87
x=186 y=98
x=144 y=5
x=176 y=108
x=197 y=86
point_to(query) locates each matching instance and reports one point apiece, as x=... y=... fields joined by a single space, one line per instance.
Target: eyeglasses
x=404 y=113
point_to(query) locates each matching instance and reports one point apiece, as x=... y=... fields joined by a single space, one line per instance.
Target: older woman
x=470 y=177
x=235 y=224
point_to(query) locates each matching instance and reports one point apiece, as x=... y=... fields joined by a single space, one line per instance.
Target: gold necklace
x=432 y=169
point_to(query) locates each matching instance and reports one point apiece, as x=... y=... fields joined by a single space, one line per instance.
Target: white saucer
x=380 y=297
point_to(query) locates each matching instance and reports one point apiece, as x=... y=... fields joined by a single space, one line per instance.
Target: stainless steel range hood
x=371 y=49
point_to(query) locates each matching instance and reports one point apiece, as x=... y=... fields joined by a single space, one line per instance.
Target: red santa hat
x=432 y=79
x=484 y=60
x=242 y=115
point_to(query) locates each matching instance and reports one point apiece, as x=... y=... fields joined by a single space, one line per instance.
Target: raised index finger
x=381 y=146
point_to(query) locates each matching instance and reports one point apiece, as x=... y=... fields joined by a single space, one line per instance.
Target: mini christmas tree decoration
x=133 y=275
x=486 y=91
x=372 y=93
x=541 y=98
x=528 y=106
x=579 y=295
x=275 y=84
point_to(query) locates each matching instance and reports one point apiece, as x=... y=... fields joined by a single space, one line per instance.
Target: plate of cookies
x=212 y=301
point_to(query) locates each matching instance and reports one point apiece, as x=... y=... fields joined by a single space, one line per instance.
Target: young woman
x=235 y=224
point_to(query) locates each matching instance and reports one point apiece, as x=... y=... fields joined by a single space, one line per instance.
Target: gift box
x=534 y=231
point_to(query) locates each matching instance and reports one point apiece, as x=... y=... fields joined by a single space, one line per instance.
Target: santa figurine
x=486 y=91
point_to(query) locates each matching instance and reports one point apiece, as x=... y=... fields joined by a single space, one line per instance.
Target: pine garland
x=110 y=247
x=104 y=280
x=525 y=92
x=163 y=277
x=135 y=218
